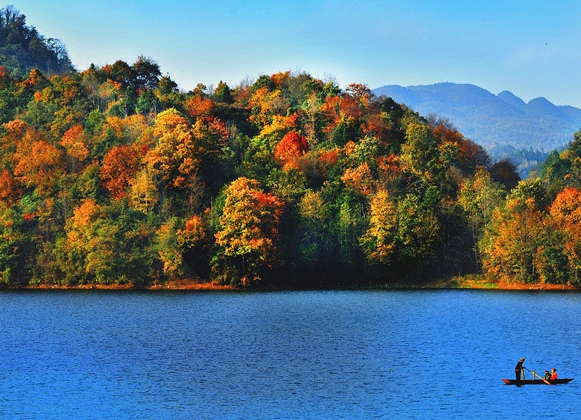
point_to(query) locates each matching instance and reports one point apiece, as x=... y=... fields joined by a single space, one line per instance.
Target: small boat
x=537 y=381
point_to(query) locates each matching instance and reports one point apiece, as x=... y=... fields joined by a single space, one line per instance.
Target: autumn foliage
x=112 y=175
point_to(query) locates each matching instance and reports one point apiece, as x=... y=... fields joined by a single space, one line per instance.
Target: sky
x=531 y=48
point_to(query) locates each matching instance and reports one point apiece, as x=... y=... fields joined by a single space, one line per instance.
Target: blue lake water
x=309 y=355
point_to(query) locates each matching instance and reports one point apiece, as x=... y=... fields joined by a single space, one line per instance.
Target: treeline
x=113 y=175
x=22 y=48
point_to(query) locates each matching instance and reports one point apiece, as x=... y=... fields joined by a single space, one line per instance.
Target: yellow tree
x=378 y=241
x=248 y=232
x=175 y=156
x=143 y=194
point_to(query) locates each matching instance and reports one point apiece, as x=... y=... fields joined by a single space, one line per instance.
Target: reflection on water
x=370 y=354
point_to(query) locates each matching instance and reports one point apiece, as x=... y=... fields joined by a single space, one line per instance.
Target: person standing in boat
x=518 y=370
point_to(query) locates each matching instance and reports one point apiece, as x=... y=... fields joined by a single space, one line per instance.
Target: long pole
x=540 y=377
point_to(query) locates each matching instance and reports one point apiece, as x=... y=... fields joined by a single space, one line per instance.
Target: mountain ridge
x=501 y=123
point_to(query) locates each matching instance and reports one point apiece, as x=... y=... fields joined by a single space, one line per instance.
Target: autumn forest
x=112 y=175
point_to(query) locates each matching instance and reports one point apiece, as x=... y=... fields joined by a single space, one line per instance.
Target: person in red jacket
x=554 y=375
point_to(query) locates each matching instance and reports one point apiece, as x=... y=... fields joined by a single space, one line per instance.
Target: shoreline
x=195 y=285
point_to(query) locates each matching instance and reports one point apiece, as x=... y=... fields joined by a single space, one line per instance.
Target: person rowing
x=518 y=370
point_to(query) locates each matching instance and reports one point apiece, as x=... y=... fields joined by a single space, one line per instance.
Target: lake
x=386 y=354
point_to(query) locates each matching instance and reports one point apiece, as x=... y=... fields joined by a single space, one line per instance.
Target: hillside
x=113 y=177
x=503 y=124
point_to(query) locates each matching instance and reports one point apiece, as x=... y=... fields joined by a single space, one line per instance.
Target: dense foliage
x=534 y=235
x=114 y=176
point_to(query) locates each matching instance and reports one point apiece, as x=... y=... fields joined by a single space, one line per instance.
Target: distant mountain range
x=503 y=124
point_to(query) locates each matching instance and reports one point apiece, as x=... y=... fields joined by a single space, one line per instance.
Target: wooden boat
x=537 y=381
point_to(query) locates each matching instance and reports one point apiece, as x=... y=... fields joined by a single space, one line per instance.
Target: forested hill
x=112 y=175
x=22 y=48
x=503 y=124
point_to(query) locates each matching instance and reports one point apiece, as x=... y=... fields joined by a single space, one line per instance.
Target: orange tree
x=566 y=213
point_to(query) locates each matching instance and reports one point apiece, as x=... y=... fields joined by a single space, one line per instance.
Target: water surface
x=331 y=354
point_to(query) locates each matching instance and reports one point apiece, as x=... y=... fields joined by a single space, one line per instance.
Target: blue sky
x=532 y=48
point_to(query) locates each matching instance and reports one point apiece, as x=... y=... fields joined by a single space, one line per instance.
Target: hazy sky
x=532 y=48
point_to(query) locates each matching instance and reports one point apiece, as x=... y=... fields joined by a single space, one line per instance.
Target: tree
x=175 y=156
x=199 y=106
x=566 y=213
x=120 y=165
x=248 y=233
x=418 y=153
x=531 y=189
x=12 y=238
x=223 y=94
x=555 y=173
x=311 y=254
x=504 y=172
x=478 y=198
x=168 y=248
x=290 y=149
x=147 y=103
x=379 y=240
x=511 y=241
x=144 y=73
x=359 y=179
x=418 y=230
x=7 y=185
x=108 y=244
x=144 y=194
x=22 y=48
x=38 y=165
x=74 y=142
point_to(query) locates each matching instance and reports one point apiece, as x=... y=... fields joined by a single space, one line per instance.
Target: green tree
x=418 y=230
x=147 y=103
x=478 y=198
x=106 y=245
x=419 y=152
x=222 y=93
x=12 y=271
x=144 y=74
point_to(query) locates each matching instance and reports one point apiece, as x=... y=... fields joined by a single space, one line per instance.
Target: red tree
x=290 y=149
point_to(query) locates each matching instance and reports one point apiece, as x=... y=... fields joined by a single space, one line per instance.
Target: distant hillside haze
x=23 y=48
x=500 y=123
